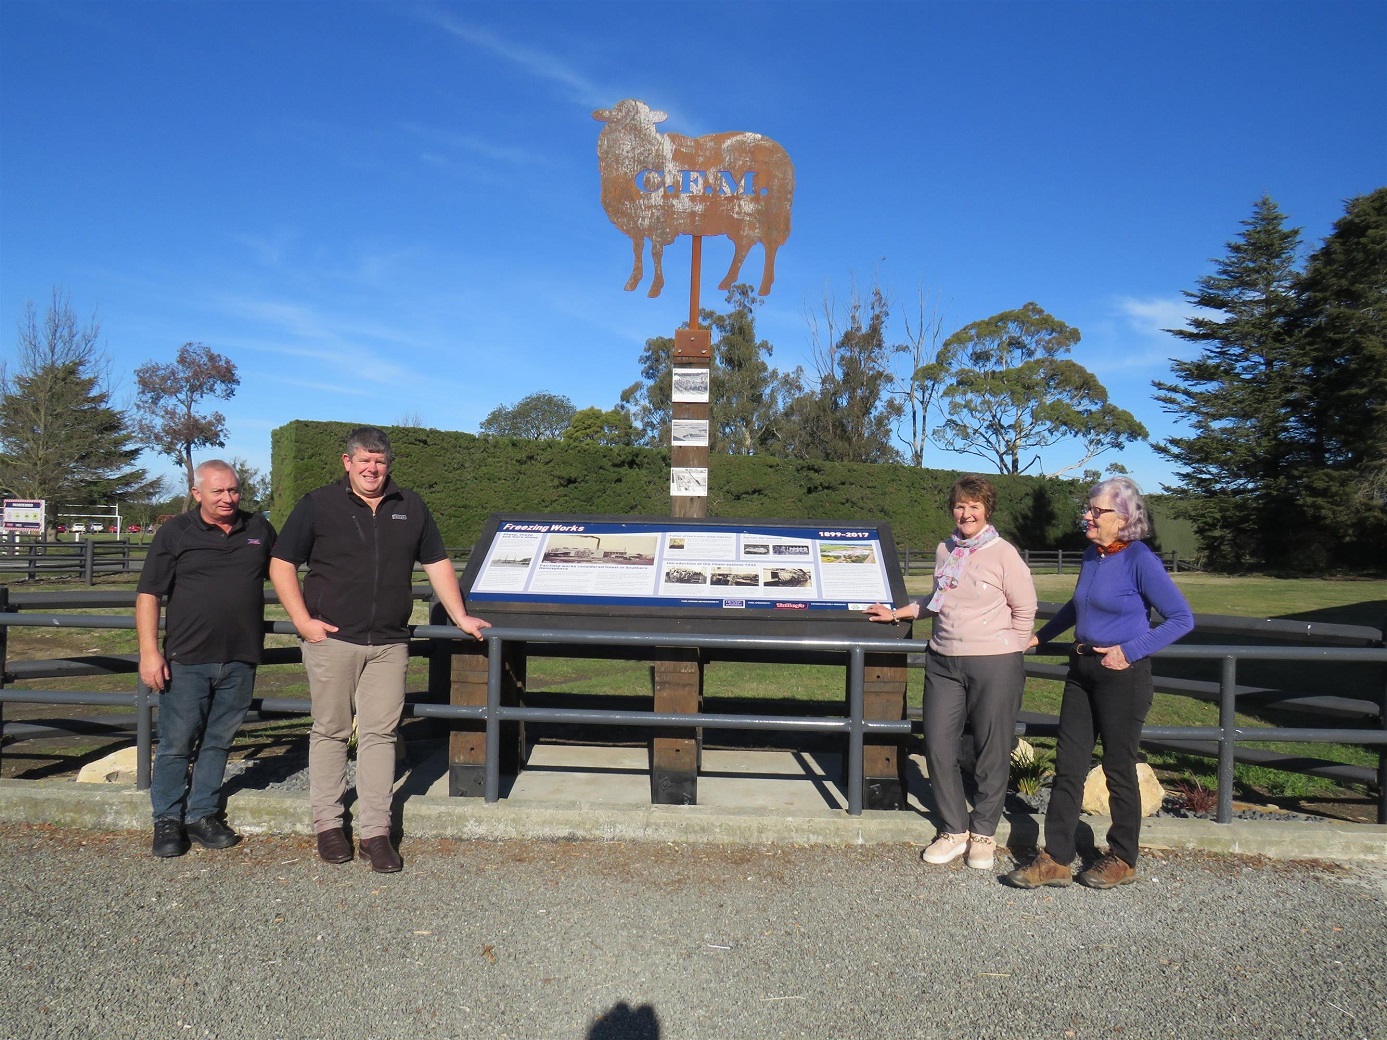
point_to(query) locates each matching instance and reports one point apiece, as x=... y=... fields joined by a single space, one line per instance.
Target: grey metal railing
x=1226 y=735
x=854 y=725
x=88 y=557
x=921 y=562
x=84 y=559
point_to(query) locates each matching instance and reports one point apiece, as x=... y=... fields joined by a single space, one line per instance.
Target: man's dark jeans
x=199 y=713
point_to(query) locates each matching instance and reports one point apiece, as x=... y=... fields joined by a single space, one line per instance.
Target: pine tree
x=649 y=400
x=60 y=439
x=746 y=392
x=1341 y=410
x=1236 y=396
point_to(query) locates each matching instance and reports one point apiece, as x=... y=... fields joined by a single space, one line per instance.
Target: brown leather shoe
x=1109 y=872
x=334 y=846
x=381 y=854
x=1040 y=871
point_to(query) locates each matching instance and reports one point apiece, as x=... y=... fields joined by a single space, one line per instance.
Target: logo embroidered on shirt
x=252 y=541
x=398 y=516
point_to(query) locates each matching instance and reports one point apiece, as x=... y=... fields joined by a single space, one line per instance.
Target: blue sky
x=391 y=209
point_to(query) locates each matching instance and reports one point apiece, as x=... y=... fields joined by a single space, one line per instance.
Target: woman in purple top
x=1107 y=692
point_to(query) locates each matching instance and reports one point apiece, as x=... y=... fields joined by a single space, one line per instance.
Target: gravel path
x=577 y=940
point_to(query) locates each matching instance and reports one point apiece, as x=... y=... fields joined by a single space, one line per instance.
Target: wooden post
x=693 y=352
x=4 y=651
x=675 y=754
x=460 y=667
x=883 y=764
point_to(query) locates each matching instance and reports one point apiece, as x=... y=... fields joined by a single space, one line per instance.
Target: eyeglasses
x=1097 y=511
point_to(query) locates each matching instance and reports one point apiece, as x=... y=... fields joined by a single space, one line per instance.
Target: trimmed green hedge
x=464 y=478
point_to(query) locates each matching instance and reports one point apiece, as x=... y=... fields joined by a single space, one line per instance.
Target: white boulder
x=1096 y=791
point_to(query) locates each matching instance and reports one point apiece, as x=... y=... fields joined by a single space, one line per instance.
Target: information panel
x=709 y=564
x=23 y=516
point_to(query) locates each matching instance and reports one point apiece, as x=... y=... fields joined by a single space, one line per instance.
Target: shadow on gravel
x=262 y=773
x=623 y=1022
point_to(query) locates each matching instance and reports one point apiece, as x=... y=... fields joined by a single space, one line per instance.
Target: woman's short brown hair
x=973 y=488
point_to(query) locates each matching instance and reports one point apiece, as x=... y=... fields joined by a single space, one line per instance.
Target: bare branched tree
x=169 y=396
x=921 y=388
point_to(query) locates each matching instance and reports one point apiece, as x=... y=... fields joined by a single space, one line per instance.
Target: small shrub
x=1030 y=771
x=1195 y=797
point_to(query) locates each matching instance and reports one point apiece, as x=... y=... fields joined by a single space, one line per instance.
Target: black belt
x=1086 y=650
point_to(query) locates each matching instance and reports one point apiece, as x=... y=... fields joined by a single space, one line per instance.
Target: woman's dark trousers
x=1109 y=705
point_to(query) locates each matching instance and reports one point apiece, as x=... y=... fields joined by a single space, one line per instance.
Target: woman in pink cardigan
x=983 y=604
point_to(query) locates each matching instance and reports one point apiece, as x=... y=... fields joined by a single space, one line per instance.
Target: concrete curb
x=64 y=803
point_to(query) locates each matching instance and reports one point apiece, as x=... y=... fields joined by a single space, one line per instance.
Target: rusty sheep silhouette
x=660 y=186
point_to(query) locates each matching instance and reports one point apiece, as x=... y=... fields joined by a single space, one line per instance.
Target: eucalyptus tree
x=1012 y=392
x=539 y=416
x=845 y=411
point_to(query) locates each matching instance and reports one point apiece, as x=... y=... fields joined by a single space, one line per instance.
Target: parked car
x=79 y=528
x=96 y=527
x=61 y=528
x=133 y=529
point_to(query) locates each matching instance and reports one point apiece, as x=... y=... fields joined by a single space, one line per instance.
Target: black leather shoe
x=381 y=854
x=211 y=832
x=334 y=846
x=168 y=838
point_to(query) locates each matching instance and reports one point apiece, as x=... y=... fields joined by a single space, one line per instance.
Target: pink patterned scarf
x=947 y=579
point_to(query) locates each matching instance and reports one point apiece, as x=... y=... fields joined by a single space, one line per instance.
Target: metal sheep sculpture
x=659 y=186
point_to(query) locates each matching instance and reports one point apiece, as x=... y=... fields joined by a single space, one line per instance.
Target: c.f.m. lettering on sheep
x=659 y=186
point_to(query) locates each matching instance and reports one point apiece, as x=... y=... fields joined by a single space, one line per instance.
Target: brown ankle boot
x=1109 y=872
x=1041 y=871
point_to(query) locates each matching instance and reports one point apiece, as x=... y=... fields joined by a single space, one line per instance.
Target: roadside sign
x=23 y=516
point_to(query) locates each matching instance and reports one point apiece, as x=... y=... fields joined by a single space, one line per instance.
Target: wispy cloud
x=1150 y=319
x=370 y=348
x=536 y=63
x=472 y=145
x=270 y=249
x=333 y=388
x=1154 y=315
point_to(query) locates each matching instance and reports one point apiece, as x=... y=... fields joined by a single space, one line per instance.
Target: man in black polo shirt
x=211 y=563
x=360 y=538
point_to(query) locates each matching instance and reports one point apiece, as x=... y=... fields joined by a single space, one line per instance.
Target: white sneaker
x=946 y=847
x=982 y=851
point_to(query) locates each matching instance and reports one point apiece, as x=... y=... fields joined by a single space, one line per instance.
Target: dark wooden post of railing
x=884 y=678
x=89 y=561
x=144 y=737
x=1382 y=761
x=1382 y=748
x=1227 y=724
x=34 y=560
x=676 y=754
x=460 y=667
x=4 y=654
